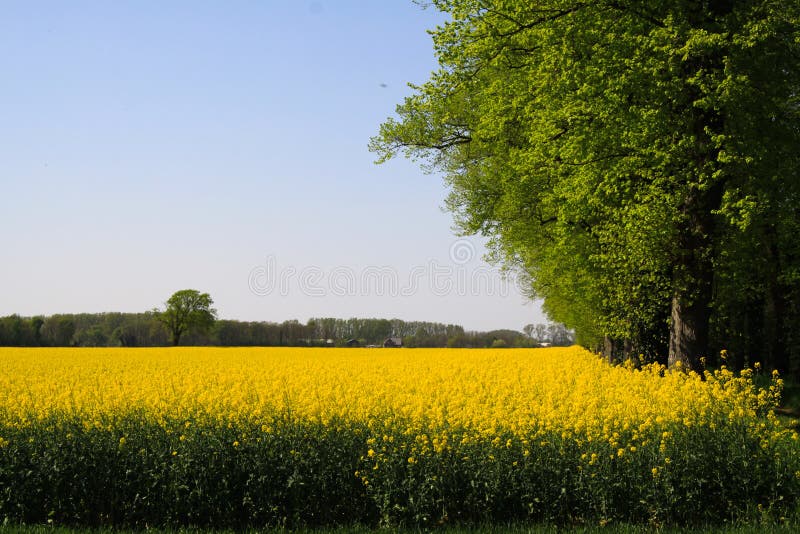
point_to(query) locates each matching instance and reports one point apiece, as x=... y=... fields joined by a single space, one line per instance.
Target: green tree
x=12 y=330
x=611 y=150
x=187 y=309
x=58 y=330
x=36 y=327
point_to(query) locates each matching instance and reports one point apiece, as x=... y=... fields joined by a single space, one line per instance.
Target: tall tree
x=606 y=148
x=187 y=309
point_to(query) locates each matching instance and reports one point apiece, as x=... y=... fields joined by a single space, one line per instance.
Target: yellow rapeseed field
x=489 y=391
x=238 y=437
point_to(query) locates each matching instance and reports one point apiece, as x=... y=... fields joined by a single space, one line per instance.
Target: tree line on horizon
x=116 y=329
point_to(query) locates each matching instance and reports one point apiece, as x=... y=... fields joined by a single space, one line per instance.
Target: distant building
x=393 y=342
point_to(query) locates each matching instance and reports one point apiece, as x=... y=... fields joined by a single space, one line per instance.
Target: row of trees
x=150 y=330
x=637 y=162
x=549 y=334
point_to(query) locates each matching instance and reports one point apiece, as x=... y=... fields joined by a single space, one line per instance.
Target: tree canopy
x=187 y=309
x=637 y=161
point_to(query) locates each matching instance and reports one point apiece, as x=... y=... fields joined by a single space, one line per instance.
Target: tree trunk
x=688 y=334
x=176 y=336
x=627 y=350
x=774 y=348
x=693 y=274
x=693 y=269
x=612 y=349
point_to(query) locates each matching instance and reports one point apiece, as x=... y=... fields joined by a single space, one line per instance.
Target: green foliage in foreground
x=301 y=474
x=486 y=529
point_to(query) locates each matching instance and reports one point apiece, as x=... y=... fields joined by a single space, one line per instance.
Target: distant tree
x=65 y=331
x=123 y=336
x=559 y=335
x=292 y=332
x=58 y=330
x=94 y=336
x=541 y=333
x=36 y=327
x=12 y=330
x=187 y=309
x=529 y=329
x=231 y=333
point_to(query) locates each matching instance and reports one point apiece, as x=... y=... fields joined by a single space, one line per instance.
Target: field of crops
x=284 y=436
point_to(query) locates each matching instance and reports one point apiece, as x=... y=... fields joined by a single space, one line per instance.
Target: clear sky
x=147 y=147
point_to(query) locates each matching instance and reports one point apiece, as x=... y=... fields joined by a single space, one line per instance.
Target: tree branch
x=520 y=26
x=596 y=160
x=639 y=13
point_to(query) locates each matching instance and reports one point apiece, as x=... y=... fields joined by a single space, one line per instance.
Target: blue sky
x=148 y=147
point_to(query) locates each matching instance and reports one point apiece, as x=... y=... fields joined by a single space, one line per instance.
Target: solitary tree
x=187 y=309
x=617 y=152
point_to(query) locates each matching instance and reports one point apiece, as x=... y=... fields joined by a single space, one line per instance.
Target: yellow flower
x=534 y=398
